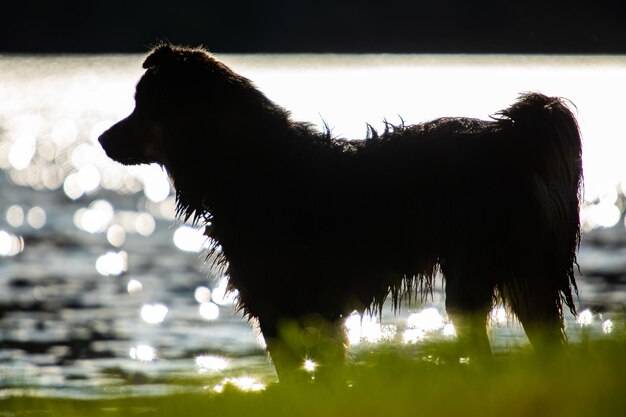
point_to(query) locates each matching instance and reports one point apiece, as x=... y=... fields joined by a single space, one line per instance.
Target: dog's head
x=181 y=88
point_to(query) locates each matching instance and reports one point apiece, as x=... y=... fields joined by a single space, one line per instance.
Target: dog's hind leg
x=539 y=310
x=468 y=302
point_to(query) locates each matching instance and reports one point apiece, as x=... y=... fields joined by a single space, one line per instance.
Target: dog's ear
x=162 y=54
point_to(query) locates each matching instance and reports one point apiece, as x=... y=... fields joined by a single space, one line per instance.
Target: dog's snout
x=115 y=142
x=107 y=139
x=125 y=143
x=103 y=138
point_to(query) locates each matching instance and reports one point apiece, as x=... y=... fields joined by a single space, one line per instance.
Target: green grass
x=587 y=379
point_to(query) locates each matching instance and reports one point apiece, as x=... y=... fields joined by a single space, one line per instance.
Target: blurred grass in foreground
x=587 y=379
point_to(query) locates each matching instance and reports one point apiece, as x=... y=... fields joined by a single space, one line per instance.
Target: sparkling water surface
x=104 y=292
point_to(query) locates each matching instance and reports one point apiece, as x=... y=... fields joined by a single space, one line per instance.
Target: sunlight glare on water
x=21 y=153
x=211 y=363
x=608 y=326
x=202 y=294
x=190 y=239
x=64 y=132
x=368 y=329
x=143 y=353
x=112 y=263
x=412 y=336
x=309 y=365
x=243 y=383
x=10 y=244
x=116 y=235
x=429 y=319
x=424 y=323
x=156 y=183
x=220 y=294
x=585 y=318
x=36 y=217
x=53 y=143
x=209 y=310
x=448 y=330
x=88 y=179
x=153 y=313
x=95 y=218
x=353 y=328
x=603 y=214
x=498 y=315
x=134 y=287
x=100 y=217
x=15 y=216
x=144 y=224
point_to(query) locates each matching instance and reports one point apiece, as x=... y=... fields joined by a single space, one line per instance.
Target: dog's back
x=499 y=195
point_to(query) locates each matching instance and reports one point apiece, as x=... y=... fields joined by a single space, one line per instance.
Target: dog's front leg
x=468 y=301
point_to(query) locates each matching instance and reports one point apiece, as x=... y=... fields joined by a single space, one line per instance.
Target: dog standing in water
x=312 y=228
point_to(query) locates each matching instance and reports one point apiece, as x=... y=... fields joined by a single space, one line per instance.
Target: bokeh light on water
x=97 y=273
x=211 y=363
x=425 y=323
x=243 y=383
x=309 y=365
x=202 y=294
x=209 y=310
x=144 y=353
x=154 y=313
x=190 y=239
x=10 y=244
x=112 y=263
x=134 y=287
x=367 y=328
x=608 y=326
x=498 y=315
x=220 y=294
x=585 y=318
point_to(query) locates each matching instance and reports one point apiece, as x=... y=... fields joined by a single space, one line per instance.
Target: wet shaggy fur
x=315 y=226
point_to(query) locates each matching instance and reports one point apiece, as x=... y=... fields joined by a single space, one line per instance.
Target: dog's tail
x=550 y=142
x=554 y=137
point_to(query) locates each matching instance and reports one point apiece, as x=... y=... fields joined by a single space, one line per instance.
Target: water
x=103 y=292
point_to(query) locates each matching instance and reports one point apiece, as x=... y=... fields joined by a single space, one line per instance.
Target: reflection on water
x=584 y=318
x=144 y=353
x=309 y=365
x=220 y=294
x=96 y=284
x=498 y=315
x=244 y=383
x=112 y=263
x=190 y=239
x=134 y=287
x=10 y=244
x=608 y=326
x=209 y=310
x=425 y=323
x=368 y=329
x=153 y=313
x=211 y=363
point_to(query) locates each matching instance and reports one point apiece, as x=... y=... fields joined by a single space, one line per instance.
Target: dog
x=312 y=227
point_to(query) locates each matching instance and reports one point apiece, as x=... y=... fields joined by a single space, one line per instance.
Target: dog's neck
x=231 y=162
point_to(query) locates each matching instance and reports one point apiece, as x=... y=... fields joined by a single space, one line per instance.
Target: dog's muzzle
x=120 y=142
